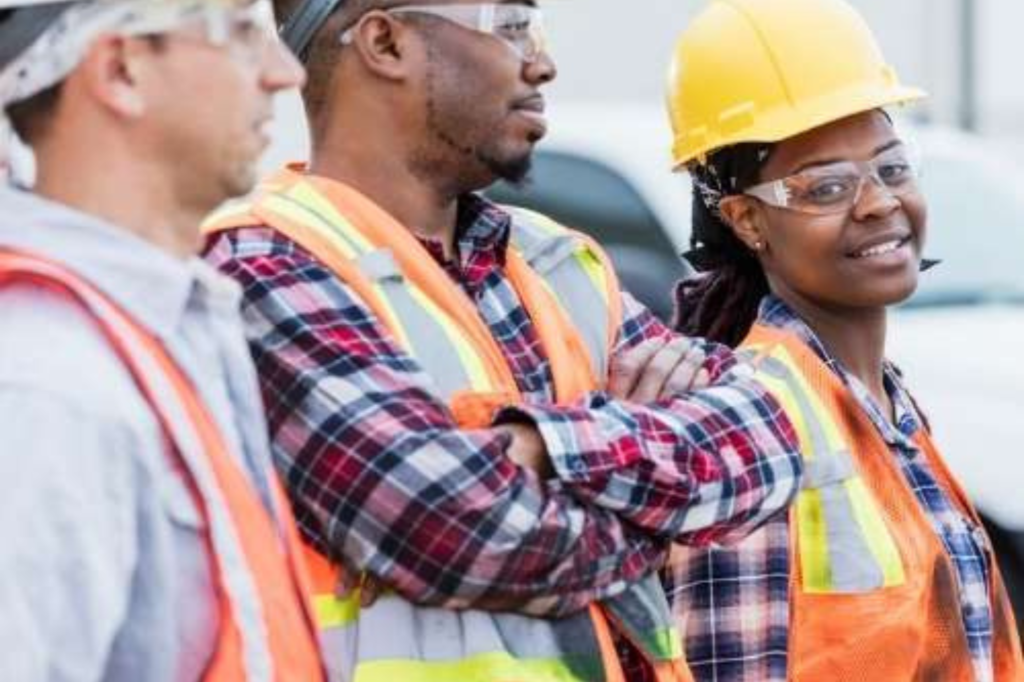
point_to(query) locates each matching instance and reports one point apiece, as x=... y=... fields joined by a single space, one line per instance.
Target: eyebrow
x=894 y=142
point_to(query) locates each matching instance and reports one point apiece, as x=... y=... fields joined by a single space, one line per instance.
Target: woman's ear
x=741 y=215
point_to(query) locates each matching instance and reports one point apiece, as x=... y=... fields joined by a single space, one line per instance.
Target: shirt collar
x=774 y=312
x=480 y=226
x=153 y=286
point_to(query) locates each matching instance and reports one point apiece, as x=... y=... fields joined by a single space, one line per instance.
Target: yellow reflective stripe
x=491 y=667
x=471 y=361
x=876 y=534
x=334 y=612
x=229 y=210
x=780 y=391
x=667 y=642
x=593 y=268
x=286 y=207
x=815 y=567
x=835 y=439
x=309 y=197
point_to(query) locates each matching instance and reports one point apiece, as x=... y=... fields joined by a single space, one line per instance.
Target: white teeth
x=881 y=249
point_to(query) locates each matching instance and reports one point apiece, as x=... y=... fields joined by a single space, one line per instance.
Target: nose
x=875 y=200
x=541 y=70
x=281 y=70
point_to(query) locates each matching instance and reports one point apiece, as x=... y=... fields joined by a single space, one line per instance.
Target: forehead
x=857 y=137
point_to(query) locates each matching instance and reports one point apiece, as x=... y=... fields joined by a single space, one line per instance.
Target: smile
x=881 y=249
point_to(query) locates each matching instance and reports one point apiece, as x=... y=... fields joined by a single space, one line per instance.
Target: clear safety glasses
x=246 y=28
x=837 y=187
x=519 y=27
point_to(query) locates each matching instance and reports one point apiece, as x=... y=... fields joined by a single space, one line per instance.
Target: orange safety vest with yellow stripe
x=872 y=592
x=267 y=630
x=571 y=294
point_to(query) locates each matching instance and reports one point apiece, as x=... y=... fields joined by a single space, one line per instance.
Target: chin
x=240 y=182
x=888 y=293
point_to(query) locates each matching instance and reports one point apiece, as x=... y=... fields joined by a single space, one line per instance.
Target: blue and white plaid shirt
x=733 y=603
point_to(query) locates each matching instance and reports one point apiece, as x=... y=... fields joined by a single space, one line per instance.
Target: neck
x=125 y=189
x=855 y=336
x=378 y=168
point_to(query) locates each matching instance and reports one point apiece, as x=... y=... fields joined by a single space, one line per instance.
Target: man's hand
x=527 y=448
x=657 y=369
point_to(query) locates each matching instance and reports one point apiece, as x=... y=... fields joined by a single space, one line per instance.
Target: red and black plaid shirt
x=382 y=478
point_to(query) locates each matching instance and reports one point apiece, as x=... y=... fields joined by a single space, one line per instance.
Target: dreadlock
x=721 y=302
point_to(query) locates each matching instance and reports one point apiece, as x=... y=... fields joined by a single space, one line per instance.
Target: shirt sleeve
x=704 y=467
x=67 y=522
x=381 y=477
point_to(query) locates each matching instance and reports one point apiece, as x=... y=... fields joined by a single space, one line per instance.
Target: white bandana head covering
x=61 y=47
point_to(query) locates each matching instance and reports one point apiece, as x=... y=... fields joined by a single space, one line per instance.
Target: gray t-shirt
x=102 y=571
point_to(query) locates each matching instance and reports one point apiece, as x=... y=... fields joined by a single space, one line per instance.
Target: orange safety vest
x=267 y=630
x=429 y=316
x=872 y=591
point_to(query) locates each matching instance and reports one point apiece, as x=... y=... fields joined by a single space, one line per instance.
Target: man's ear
x=111 y=71
x=385 y=45
x=741 y=215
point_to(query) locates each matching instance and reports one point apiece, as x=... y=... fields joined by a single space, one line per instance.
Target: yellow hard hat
x=765 y=70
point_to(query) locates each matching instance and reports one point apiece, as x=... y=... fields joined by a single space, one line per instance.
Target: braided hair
x=721 y=302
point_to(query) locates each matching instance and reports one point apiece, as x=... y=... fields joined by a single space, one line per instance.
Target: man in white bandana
x=142 y=533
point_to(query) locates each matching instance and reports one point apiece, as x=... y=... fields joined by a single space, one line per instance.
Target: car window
x=592 y=197
x=976 y=227
x=586 y=195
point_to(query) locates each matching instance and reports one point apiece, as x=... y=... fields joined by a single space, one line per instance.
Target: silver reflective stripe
x=642 y=611
x=853 y=565
x=432 y=347
x=552 y=255
x=235 y=574
x=827 y=471
x=394 y=629
x=340 y=646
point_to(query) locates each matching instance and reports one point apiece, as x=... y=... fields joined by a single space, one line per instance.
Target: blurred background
x=966 y=53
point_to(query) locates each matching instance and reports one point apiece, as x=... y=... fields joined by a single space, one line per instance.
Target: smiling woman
x=808 y=223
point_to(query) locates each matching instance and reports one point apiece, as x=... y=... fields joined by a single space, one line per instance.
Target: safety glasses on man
x=519 y=27
x=836 y=187
x=244 y=27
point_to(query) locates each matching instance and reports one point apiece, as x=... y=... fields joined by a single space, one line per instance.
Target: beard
x=514 y=169
x=465 y=147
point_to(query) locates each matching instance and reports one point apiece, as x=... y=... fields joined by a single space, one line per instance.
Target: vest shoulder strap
x=578 y=273
x=218 y=488
x=842 y=537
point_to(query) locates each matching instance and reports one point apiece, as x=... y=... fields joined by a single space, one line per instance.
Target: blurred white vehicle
x=605 y=170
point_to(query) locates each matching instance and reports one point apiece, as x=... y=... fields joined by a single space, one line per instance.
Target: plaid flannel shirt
x=733 y=604
x=383 y=480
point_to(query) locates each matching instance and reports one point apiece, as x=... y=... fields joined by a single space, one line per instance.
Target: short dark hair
x=31 y=117
x=321 y=56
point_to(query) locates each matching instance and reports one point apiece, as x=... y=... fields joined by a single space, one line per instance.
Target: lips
x=531 y=109
x=533 y=104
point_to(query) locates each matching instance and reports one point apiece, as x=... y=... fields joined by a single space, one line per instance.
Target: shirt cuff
x=578 y=451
